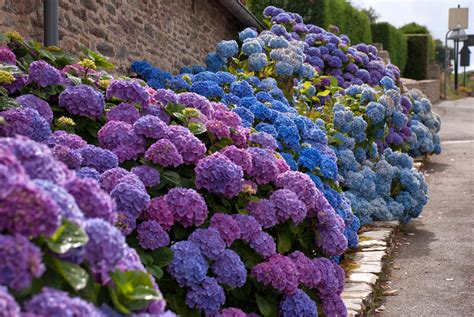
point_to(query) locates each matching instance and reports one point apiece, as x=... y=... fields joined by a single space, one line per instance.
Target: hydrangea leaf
x=156 y=271
x=284 y=241
x=74 y=275
x=263 y=305
x=68 y=236
x=197 y=128
x=162 y=256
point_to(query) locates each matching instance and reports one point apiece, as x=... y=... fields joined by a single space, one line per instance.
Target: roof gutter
x=242 y=13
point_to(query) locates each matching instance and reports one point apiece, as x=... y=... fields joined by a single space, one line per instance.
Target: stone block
x=365 y=257
x=372 y=267
x=368 y=278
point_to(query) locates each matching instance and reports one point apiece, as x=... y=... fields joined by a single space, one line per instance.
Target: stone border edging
x=375 y=243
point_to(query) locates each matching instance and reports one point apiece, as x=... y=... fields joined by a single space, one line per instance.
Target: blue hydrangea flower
x=229 y=269
x=188 y=266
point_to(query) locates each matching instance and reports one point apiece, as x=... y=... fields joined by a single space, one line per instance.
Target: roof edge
x=240 y=11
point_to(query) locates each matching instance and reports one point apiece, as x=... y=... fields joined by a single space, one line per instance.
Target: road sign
x=465 y=52
x=458 y=18
x=469 y=41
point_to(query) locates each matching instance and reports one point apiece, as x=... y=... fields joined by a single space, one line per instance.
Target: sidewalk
x=434 y=270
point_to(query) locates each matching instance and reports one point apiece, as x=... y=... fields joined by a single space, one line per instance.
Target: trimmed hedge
x=415 y=28
x=418 y=56
x=393 y=40
x=350 y=21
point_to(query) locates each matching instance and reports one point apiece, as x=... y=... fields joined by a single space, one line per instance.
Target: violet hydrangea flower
x=265 y=168
x=24 y=121
x=98 y=158
x=219 y=175
x=151 y=127
x=209 y=296
x=278 y=271
x=120 y=138
x=209 y=241
x=229 y=269
x=151 y=235
x=264 y=212
x=239 y=156
x=187 y=205
x=82 y=100
x=288 y=206
x=159 y=211
x=188 y=265
x=128 y=91
x=60 y=137
x=8 y=306
x=31 y=101
x=123 y=112
x=249 y=227
x=298 y=304
x=7 y=56
x=227 y=226
x=263 y=244
x=130 y=198
x=43 y=74
x=20 y=262
x=148 y=175
x=164 y=153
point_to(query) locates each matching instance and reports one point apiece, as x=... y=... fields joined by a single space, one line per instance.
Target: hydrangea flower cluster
x=33 y=205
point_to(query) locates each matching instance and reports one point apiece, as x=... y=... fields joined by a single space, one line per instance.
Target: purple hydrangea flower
x=231 y=312
x=156 y=111
x=332 y=240
x=302 y=186
x=123 y=112
x=60 y=137
x=28 y=210
x=20 y=262
x=151 y=235
x=24 y=121
x=218 y=128
x=265 y=168
x=187 y=205
x=165 y=96
x=72 y=158
x=298 y=304
x=190 y=147
x=249 y=227
x=264 y=139
x=263 y=244
x=160 y=212
x=188 y=266
x=209 y=296
x=278 y=271
x=82 y=100
x=227 y=226
x=332 y=277
x=130 y=198
x=128 y=91
x=37 y=159
x=209 y=241
x=91 y=199
x=8 y=306
x=309 y=273
x=110 y=178
x=66 y=202
x=219 y=175
x=288 y=206
x=126 y=222
x=120 y=138
x=229 y=269
x=239 y=156
x=151 y=127
x=52 y=302
x=20 y=81
x=229 y=118
x=164 y=153
x=33 y=102
x=7 y=56
x=106 y=246
x=193 y=100
x=147 y=174
x=44 y=74
x=88 y=172
x=333 y=306
x=264 y=212
x=98 y=158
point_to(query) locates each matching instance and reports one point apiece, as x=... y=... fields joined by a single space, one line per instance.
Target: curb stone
x=375 y=244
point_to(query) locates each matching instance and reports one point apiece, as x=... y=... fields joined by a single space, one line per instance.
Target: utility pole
x=51 y=21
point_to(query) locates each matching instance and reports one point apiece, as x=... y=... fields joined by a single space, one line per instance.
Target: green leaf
x=74 y=275
x=171 y=177
x=162 y=256
x=323 y=93
x=76 y=80
x=8 y=103
x=284 y=241
x=171 y=108
x=196 y=128
x=156 y=271
x=99 y=59
x=68 y=236
x=181 y=117
x=263 y=305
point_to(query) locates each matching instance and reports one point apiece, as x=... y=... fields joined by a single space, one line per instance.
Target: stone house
x=169 y=33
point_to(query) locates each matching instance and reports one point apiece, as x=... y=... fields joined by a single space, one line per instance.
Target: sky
x=431 y=13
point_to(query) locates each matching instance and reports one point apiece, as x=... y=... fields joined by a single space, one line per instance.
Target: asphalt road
x=433 y=269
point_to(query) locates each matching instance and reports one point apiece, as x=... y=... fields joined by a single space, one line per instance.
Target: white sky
x=431 y=13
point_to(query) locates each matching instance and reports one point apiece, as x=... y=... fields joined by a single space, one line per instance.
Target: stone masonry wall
x=169 y=33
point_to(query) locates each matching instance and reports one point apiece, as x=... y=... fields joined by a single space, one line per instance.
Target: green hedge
x=415 y=28
x=418 y=56
x=393 y=40
x=324 y=13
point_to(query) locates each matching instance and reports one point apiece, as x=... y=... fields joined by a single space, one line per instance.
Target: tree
x=371 y=14
x=440 y=53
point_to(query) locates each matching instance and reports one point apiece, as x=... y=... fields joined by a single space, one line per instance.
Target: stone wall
x=430 y=87
x=169 y=33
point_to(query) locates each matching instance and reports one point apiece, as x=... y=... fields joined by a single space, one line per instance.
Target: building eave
x=238 y=9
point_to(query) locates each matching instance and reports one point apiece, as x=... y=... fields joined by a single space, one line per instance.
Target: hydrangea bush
x=233 y=185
